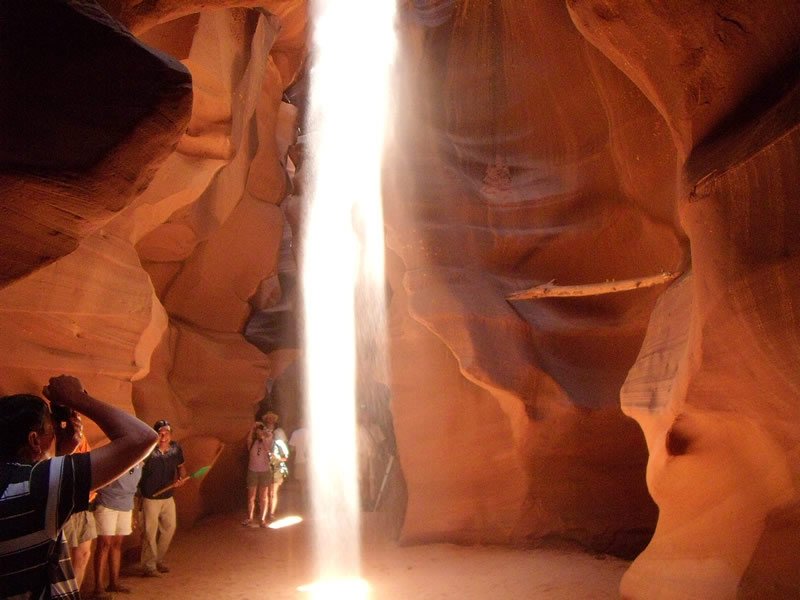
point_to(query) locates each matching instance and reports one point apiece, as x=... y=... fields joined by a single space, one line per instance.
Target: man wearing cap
x=164 y=468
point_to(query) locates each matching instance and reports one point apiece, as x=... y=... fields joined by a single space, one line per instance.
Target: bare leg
x=80 y=560
x=101 y=559
x=251 y=503
x=114 y=563
x=262 y=502
x=273 y=498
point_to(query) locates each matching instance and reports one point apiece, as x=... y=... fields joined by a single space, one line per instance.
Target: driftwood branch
x=550 y=289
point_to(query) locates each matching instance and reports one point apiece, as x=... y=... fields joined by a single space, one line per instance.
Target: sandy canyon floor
x=219 y=559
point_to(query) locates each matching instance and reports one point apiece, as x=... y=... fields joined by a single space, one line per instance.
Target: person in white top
x=298 y=447
x=259 y=472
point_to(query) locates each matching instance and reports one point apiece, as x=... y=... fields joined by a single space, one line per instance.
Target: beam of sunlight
x=343 y=265
x=286 y=522
x=338 y=589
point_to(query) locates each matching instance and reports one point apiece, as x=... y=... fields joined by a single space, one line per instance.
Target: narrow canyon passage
x=156 y=162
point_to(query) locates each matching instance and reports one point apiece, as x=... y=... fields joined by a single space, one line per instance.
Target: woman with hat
x=259 y=473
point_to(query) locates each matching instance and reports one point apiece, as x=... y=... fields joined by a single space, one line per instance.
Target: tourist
x=79 y=530
x=367 y=446
x=113 y=516
x=38 y=493
x=259 y=472
x=278 y=459
x=298 y=449
x=162 y=472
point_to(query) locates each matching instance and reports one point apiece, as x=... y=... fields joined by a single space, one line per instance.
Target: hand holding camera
x=64 y=392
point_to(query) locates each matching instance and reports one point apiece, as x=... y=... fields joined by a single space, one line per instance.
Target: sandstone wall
x=715 y=386
x=142 y=184
x=515 y=170
x=678 y=127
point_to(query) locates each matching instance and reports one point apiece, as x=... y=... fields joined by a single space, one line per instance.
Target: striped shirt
x=39 y=498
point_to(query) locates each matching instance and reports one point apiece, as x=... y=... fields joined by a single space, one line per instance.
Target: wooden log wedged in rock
x=550 y=289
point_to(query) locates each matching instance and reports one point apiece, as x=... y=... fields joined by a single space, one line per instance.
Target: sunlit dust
x=337 y=589
x=286 y=522
x=342 y=260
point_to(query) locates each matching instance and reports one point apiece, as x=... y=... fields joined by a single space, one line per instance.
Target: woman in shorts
x=259 y=472
x=113 y=518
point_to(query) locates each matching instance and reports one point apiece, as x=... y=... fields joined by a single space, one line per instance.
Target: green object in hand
x=200 y=472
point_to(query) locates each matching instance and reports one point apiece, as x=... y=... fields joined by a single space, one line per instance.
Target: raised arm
x=131 y=440
x=251 y=435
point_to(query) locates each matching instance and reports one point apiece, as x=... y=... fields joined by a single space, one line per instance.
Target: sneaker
x=162 y=568
x=150 y=573
x=247 y=522
x=263 y=524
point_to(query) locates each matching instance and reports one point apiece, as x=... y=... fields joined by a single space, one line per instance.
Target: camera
x=61 y=414
x=62 y=421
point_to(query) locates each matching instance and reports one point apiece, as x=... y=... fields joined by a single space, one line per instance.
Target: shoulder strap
x=281 y=447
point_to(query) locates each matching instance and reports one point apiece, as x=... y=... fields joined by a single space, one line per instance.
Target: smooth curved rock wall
x=136 y=235
x=512 y=175
x=145 y=193
x=716 y=383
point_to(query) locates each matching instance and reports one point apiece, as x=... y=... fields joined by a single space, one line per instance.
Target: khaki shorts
x=112 y=522
x=260 y=479
x=79 y=528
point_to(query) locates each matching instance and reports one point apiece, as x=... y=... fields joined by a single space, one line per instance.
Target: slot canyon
x=152 y=202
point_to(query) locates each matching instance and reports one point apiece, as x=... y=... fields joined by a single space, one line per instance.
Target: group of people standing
x=152 y=482
x=112 y=516
x=268 y=459
x=39 y=491
x=57 y=494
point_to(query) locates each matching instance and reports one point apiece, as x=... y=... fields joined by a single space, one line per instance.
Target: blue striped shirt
x=39 y=498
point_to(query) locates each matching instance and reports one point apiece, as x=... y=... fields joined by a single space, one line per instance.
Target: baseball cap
x=162 y=423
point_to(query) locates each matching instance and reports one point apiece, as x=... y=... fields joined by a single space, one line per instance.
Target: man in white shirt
x=298 y=449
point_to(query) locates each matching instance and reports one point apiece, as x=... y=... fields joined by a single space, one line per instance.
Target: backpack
x=281 y=450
